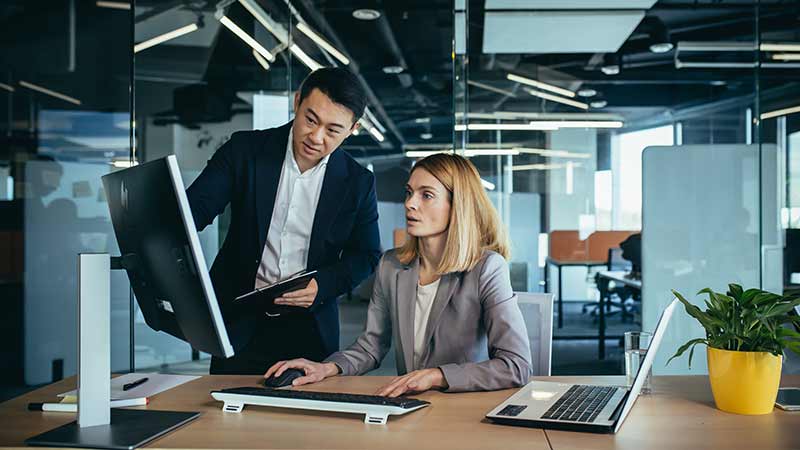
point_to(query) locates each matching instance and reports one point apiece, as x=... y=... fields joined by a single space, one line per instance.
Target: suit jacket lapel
x=269 y=162
x=334 y=189
x=407 y=280
x=447 y=286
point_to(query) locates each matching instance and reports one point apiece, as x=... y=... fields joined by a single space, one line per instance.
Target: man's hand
x=416 y=381
x=302 y=297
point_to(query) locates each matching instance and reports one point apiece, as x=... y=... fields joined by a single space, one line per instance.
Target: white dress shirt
x=289 y=235
x=422 y=311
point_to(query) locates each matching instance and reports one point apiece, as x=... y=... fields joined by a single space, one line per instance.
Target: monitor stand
x=128 y=429
x=99 y=426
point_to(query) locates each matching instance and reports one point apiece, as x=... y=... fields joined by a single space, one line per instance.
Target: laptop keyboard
x=580 y=403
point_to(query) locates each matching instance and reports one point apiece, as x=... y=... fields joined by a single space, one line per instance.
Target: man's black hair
x=340 y=85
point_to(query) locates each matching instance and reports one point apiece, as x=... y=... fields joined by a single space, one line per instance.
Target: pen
x=133 y=384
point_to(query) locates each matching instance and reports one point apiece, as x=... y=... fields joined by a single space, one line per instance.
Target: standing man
x=296 y=203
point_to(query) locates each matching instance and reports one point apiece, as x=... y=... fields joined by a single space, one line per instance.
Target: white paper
x=156 y=383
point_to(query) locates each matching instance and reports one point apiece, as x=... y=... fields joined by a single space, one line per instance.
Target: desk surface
x=620 y=276
x=576 y=262
x=679 y=414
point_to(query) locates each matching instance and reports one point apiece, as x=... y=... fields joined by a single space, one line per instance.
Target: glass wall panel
x=778 y=101
x=628 y=140
x=65 y=122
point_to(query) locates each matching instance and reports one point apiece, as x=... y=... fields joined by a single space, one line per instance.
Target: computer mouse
x=284 y=379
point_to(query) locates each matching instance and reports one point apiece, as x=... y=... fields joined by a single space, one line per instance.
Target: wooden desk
x=679 y=414
x=560 y=297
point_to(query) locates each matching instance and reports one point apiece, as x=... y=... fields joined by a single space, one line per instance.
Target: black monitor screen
x=162 y=256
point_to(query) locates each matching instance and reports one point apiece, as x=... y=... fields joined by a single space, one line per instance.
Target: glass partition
x=621 y=140
x=64 y=122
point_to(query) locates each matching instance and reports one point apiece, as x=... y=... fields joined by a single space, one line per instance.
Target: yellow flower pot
x=744 y=382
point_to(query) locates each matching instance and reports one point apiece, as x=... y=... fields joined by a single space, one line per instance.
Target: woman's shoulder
x=489 y=263
x=491 y=258
x=390 y=261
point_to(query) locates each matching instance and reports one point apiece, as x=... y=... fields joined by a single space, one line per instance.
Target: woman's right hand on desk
x=314 y=371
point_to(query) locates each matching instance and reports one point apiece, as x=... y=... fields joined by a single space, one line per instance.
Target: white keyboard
x=376 y=409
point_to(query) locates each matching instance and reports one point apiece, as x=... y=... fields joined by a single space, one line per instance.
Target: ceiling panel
x=533 y=5
x=558 y=31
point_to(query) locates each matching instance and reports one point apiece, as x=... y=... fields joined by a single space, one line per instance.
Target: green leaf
x=685 y=346
x=735 y=291
x=744 y=320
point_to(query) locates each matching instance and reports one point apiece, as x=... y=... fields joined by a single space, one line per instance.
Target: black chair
x=621 y=299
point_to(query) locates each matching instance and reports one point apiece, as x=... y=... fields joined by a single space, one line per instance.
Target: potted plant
x=745 y=340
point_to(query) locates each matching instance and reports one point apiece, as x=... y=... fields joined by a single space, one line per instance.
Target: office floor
x=572 y=357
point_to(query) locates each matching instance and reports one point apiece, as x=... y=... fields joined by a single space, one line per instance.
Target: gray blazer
x=475 y=332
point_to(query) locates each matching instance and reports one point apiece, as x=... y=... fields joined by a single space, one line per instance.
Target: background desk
x=602 y=279
x=679 y=414
x=560 y=297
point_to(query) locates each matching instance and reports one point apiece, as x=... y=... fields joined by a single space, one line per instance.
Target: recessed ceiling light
x=661 y=47
x=598 y=104
x=422 y=120
x=610 y=70
x=718 y=83
x=393 y=69
x=426 y=136
x=366 y=14
x=587 y=92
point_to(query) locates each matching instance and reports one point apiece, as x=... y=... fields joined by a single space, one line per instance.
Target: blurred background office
x=631 y=146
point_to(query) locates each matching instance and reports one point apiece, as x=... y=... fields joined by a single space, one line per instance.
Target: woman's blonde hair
x=474 y=225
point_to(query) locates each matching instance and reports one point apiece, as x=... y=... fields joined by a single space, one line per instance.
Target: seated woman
x=444 y=298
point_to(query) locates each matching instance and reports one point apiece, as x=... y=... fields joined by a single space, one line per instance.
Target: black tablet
x=264 y=297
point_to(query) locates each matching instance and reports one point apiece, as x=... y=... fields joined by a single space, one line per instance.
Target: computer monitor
x=162 y=256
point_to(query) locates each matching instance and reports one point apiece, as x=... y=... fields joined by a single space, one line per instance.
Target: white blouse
x=422 y=310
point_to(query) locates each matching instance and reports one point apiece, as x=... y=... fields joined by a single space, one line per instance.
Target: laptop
x=577 y=407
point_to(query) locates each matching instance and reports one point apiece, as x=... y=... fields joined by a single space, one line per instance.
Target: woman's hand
x=416 y=381
x=314 y=371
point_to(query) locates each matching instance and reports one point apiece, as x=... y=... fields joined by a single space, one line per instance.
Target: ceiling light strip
x=113 y=5
x=374 y=119
x=246 y=38
x=305 y=29
x=44 y=90
x=488 y=184
x=491 y=88
x=308 y=61
x=504 y=127
x=540 y=85
x=558 y=99
x=780 y=112
x=579 y=123
x=7 y=87
x=261 y=61
x=550 y=153
x=541 y=166
x=780 y=47
x=372 y=129
x=144 y=45
x=264 y=19
x=786 y=56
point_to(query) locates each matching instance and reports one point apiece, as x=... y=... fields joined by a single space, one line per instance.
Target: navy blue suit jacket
x=344 y=246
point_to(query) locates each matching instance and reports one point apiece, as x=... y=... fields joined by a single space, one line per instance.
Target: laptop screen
x=644 y=368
